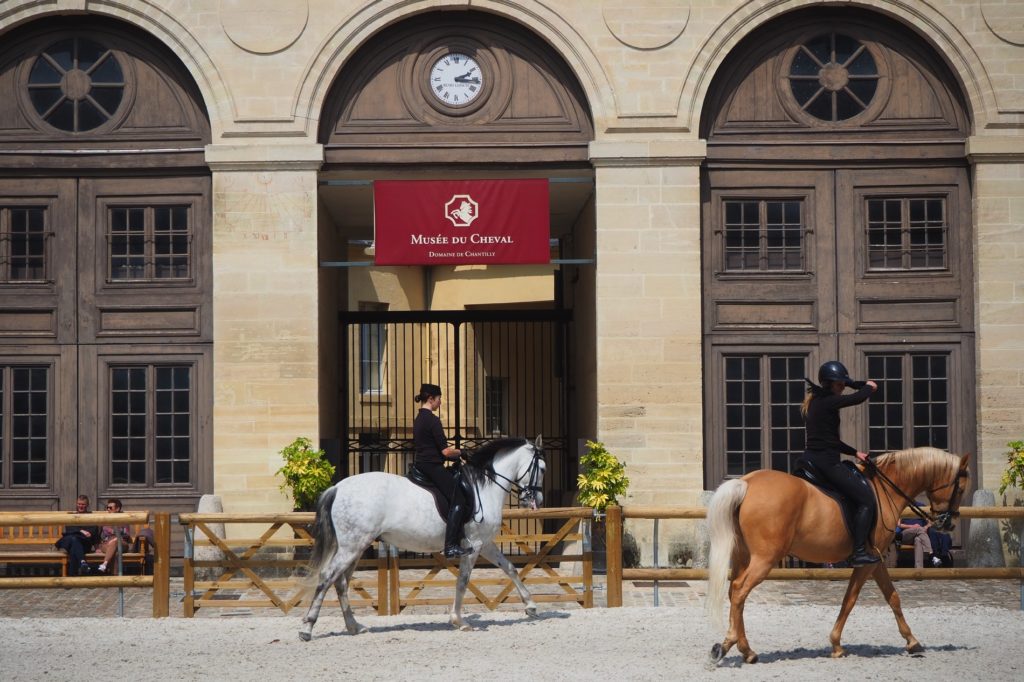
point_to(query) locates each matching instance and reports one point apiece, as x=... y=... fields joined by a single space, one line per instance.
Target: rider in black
x=431 y=451
x=821 y=413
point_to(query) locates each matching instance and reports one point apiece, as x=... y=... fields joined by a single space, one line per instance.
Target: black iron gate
x=502 y=373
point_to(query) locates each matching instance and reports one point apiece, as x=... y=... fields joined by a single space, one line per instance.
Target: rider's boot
x=861 y=530
x=453 y=533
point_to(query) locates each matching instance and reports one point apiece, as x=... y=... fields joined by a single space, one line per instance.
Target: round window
x=833 y=77
x=76 y=85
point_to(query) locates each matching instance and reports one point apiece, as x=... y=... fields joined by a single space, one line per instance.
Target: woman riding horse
x=431 y=451
x=821 y=413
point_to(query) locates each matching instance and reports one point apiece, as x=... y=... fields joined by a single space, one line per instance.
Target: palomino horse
x=362 y=508
x=764 y=516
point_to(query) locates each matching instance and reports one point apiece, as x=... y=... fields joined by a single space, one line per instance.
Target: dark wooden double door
x=105 y=341
x=871 y=266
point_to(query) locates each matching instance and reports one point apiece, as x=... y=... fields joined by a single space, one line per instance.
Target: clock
x=456 y=79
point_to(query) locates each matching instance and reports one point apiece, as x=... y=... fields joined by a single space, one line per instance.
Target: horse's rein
x=513 y=485
x=532 y=488
x=942 y=518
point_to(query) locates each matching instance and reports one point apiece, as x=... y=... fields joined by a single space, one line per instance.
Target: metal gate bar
x=503 y=373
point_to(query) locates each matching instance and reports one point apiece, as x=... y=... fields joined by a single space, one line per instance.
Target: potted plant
x=1013 y=477
x=307 y=473
x=602 y=480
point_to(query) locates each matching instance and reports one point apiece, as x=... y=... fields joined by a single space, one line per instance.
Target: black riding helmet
x=833 y=371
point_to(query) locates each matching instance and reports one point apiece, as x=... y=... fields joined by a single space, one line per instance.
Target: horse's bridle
x=942 y=520
x=529 y=492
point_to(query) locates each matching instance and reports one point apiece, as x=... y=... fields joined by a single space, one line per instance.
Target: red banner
x=461 y=222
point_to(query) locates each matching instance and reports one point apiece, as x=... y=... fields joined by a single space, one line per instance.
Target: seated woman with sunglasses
x=108 y=538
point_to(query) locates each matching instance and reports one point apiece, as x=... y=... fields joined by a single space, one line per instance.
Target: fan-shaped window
x=76 y=85
x=833 y=77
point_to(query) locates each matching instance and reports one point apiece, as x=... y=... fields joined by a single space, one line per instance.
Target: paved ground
x=138 y=602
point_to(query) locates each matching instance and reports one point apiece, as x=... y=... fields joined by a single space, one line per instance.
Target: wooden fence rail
x=159 y=581
x=399 y=582
x=616 y=573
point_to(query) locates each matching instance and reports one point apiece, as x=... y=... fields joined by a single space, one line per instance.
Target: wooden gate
x=259 y=565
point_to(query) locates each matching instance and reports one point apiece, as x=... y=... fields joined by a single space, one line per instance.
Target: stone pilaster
x=265 y=316
x=648 y=312
x=999 y=253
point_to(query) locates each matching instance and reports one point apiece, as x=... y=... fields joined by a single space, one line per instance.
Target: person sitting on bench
x=915 y=531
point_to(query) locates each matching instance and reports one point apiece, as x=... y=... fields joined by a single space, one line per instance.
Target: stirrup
x=862 y=558
x=454 y=551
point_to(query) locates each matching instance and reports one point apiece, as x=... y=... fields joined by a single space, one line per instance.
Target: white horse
x=362 y=508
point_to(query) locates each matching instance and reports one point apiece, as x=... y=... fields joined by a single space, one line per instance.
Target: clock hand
x=465 y=78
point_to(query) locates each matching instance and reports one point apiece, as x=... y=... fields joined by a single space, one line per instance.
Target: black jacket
x=822 y=425
x=428 y=437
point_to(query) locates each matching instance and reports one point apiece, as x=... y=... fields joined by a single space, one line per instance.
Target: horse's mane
x=483 y=457
x=917 y=460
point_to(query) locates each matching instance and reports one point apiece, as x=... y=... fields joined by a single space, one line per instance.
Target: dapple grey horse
x=359 y=509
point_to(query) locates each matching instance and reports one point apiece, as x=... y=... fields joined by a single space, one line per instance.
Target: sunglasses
x=111 y=507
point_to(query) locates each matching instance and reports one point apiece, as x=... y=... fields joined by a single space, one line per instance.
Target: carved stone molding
x=264 y=26
x=647 y=24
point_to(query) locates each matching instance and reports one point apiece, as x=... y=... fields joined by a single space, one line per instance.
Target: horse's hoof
x=915 y=648
x=357 y=629
x=466 y=627
x=750 y=658
x=305 y=636
x=838 y=652
x=717 y=653
x=531 y=612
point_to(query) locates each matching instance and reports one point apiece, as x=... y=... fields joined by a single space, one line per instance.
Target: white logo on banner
x=462 y=210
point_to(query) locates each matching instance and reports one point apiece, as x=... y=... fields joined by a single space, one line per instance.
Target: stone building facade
x=740 y=191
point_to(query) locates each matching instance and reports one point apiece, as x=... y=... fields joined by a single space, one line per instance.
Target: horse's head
x=945 y=498
x=530 y=476
x=942 y=476
x=515 y=465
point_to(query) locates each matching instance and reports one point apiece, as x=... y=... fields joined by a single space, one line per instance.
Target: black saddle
x=440 y=501
x=810 y=473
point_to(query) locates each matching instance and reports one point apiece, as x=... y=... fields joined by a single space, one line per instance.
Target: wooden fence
x=616 y=573
x=282 y=541
x=159 y=581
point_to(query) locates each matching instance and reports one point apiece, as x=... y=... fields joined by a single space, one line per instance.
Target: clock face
x=456 y=79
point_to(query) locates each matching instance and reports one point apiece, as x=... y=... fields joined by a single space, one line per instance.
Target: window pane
x=884 y=234
x=127 y=425
x=784 y=234
x=126 y=243
x=30 y=424
x=786 y=375
x=742 y=419
x=173 y=425
x=928 y=388
x=171 y=239
x=927 y=233
x=26 y=248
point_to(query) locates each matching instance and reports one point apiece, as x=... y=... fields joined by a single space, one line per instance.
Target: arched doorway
x=836 y=224
x=105 y=282
x=498 y=339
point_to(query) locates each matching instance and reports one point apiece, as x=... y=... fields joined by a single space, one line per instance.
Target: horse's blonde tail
x=722 y=529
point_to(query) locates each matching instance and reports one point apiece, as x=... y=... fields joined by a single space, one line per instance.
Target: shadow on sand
x=478 y=622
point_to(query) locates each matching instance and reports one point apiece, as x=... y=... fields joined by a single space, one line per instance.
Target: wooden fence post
x=161 y=564
x=613 y=557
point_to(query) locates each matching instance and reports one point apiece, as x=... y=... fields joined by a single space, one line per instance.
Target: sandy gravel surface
x=598 y=644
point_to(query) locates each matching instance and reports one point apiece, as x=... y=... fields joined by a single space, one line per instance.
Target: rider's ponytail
x=813 y=391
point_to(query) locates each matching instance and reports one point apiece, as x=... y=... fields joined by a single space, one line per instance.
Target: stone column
x=265 y=369
x=648 y=322
x=999 y=318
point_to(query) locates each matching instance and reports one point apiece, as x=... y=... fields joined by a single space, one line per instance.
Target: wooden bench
x=36 y=545
x=32 y=545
